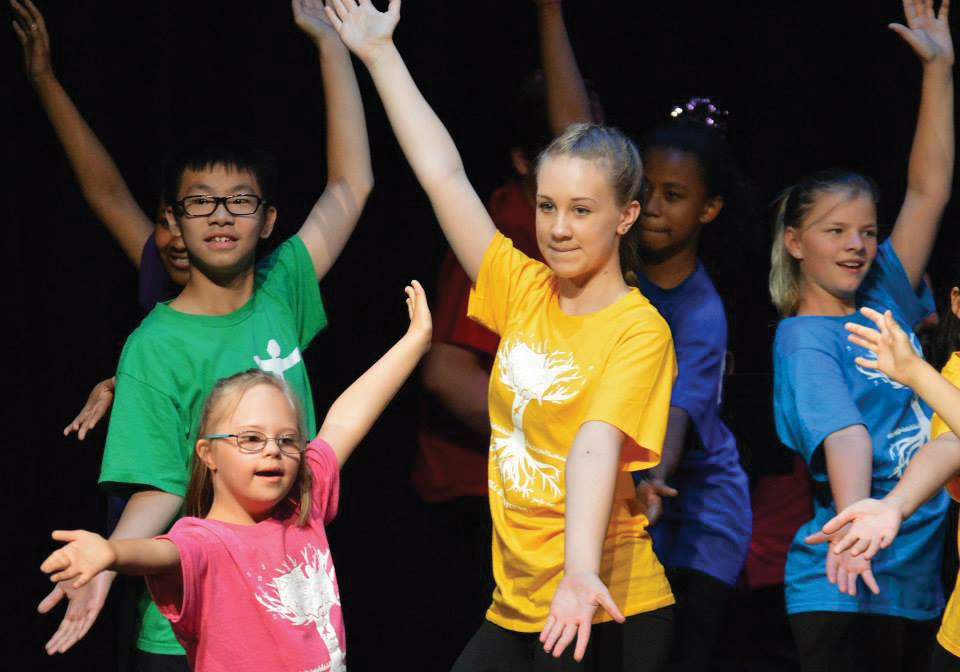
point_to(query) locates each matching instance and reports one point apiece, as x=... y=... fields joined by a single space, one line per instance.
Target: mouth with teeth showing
x=221 y=241
x=852 y=266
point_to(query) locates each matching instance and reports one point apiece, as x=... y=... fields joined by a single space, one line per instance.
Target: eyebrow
x=242 y=188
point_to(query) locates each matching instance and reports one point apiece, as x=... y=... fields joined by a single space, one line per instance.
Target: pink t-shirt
x=259 y=597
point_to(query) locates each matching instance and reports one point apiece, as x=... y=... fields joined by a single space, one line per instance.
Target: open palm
x=927 y=32
x=312 y=19
x=361 y=27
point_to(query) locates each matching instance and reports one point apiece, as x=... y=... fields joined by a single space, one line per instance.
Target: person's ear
x=628 y=217
x=955 y=301
x=269 y=220
x=521 y=164
x=791 y=240
x=711 y=210
x=204 y=450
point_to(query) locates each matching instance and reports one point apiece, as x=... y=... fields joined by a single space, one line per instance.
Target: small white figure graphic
x=304 y=593
x=277 y=364
x=532 y=375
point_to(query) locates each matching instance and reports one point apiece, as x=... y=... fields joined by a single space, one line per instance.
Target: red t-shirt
x=452 y=458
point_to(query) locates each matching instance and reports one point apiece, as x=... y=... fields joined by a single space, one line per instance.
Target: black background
x=808 y=85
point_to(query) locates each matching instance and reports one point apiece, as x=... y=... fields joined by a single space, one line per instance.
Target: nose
x=220 y=215
x=856 y=241
x=561 y=227
x=271 y=447
x=651 y=204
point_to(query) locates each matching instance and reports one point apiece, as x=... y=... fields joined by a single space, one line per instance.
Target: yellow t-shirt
x=554 y=372
x=949 y=634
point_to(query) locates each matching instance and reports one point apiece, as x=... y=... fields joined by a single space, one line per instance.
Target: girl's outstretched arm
x=87 y=554
x=930 y=173
x=101 y=183
x=425 y=142
x=354 y=411
x=590 y=474
x=349 y=175
x=567 y=99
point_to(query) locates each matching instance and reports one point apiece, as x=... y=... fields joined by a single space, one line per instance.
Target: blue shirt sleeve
x=887 y=287
x=812 y=401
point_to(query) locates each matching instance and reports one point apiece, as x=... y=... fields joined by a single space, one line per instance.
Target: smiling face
x=675 y=203
x=173 y=255
x=579 y=222
x=220 y=243
x=835 y=244
x=247 y=486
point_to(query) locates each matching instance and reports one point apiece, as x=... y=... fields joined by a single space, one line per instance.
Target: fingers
x=870 y=582
x=411 y=300
x=606 y=601
x=333 y=18
x=841 y=545
x=832 y=566
x=944 y=13
x=665 y=490
x=817 y=538
x=583 y=638
x=568 y=633
x=833 y=525
x=51 y=600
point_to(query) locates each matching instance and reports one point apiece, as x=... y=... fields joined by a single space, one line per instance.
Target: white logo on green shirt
x=277 y=364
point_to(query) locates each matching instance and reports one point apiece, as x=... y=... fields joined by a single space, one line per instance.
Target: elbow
x=431 y=375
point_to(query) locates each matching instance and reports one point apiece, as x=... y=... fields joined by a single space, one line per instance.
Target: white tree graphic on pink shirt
x=532 y=374
x=304 y=593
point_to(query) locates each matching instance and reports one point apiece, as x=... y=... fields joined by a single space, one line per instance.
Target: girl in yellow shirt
x=579 y=394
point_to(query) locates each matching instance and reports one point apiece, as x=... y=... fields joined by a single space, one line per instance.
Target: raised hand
x=311 y=18
x=873 y=525
x=421 y=323
x=650 y=494
x=571 y=613
x=98 y=403
x=84 y=606
x=895 y=354
x=361 y=27
x=31 y=30
x=927 y=33
x=844 y=568
x=85 y=555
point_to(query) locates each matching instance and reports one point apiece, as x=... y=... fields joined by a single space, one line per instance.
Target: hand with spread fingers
x=98 y=403
x=571 y=613
x=361 y=27
x=927 y=32
x=31 y=31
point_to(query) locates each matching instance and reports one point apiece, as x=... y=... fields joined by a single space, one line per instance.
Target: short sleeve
x=699 y=370
x=633 y=393
x=155 y=284
x=147 y=444
x=812 y=401
x=326 y=479
x=178 y=595
x=887 y=287
x=288 y=273
x=505 y=276
x=951 y=371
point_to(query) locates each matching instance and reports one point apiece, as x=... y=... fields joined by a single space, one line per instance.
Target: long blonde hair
x=224 y=398
x=793 y=205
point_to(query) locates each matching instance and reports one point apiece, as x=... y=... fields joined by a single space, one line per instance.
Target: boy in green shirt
x=232 y=314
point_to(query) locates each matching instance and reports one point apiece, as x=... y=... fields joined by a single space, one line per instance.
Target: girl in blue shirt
x=856 y=428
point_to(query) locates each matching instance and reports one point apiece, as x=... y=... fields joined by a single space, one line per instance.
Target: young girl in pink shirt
x=246 y=579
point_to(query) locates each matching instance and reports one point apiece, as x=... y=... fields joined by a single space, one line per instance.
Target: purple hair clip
x=703 y=110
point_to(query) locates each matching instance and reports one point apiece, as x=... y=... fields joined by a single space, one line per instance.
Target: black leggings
x=702 y=603
x=830 y=641
x=942 y=660
x=641 y=644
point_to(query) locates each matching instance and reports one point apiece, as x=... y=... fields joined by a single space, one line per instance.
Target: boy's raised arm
x=566 y=93
x=425 y=142
x=101 y=183
x=349 y=175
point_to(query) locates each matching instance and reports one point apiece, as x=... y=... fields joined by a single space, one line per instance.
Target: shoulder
x=807 y=333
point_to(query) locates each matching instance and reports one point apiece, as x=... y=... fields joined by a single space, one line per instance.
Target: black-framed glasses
x=254 y=442
x=204 y=206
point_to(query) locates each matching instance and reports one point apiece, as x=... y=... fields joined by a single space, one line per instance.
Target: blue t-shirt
x=707 y=526
x=818 y=390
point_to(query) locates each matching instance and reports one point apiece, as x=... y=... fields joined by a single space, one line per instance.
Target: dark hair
x=733 y=235
x=231 y=153
x=946 y=340
x=793 y=205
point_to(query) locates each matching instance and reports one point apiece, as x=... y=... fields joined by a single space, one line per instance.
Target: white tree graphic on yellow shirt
x=304 y=593
x=532 y=374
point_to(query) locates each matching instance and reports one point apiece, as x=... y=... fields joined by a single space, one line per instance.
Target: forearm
x=929 y=470
x=434 y=158
x=673 y=443
x=354 y=412
x=147 y=514
x=566 y=94
x=100 y=181
x=849 y=459
x=455 y=378
x=930 y=171
x=591 y=473
x=942 y=396
x=140 y=557
x=348 y=148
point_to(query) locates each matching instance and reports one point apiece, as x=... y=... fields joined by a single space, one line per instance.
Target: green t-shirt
x=168 y=367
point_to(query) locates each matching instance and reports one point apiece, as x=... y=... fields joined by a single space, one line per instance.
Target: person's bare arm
x=456 y=378
x=103 y=188
x=566 y=93
x=349 y=175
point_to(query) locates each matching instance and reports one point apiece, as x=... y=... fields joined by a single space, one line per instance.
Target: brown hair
x=223 y=400
x=621 y=159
